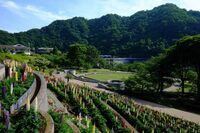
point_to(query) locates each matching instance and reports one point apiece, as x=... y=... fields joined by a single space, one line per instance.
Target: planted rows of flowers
x=79 y=110
x=145 y=119
x=18 y=79
x=60 y=122
x=84 y=103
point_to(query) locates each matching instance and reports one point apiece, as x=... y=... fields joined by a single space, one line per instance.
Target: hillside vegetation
x=143 y=34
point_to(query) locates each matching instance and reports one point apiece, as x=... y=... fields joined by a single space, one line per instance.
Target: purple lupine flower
x=0 y=109
x=3 y=91
x=21 y=76
x=14 y=84
x=6 y=117
x=22 y=65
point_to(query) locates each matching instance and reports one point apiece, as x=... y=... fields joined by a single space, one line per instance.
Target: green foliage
x=143 y=34
x=147 y=120
x=110 y=117
x=81 y=55
x=18 y=91
x=60 y=126
x=27 y=121
x=179 y=61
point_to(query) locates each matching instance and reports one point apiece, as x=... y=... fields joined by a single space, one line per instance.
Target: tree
x=77 y=55
x=92 y=55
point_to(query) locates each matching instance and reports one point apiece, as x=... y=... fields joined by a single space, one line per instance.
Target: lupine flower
x=3 y=91
x=11 y=88
x=6 y=118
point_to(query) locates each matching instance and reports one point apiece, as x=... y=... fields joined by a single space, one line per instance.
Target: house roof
x=17 y=46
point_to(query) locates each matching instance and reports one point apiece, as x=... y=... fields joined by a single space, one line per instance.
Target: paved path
x=56 y=103
x=171 y=111
x=73 y=126
x=168 y=110
x=172 y=88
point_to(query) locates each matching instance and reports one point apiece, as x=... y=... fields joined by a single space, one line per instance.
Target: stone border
x=22 y=100
x=41 y=93
x=49 y=122
x=73 y=126
x=2 y=71
x=38 y=89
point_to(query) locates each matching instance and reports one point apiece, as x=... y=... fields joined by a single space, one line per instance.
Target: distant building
x=127 y=60
x=43 y=50
x=111 y=59
x=18 y=48
x=105 y=56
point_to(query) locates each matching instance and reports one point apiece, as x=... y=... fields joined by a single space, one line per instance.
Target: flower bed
x=86 y=101
x=86 y=104
x=18 y=90
x=112 y=120
x=23 y=122
x=145 y=119
x=77 y=108
x=60 y=122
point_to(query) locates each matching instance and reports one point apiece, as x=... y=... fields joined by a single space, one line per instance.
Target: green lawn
x=109 y=76
x=92 y=70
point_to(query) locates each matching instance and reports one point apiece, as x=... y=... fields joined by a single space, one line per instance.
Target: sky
x=22 y=15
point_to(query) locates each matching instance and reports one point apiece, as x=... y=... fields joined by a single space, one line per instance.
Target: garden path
x=73 y=126
x=54 y=103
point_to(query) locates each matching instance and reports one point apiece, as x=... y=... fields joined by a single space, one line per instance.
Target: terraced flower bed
x=60 y=122
x=77 y=109
x=85 y=104
x=145 y=119
x=22 y=122
x=18 y=90
x=18 y=79
x=87 y=101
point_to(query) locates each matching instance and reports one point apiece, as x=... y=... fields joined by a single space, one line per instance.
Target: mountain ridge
x=143 y=34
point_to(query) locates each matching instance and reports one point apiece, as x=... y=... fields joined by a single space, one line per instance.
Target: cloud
x=190 y=4
x=30 y=10
x=10 y=5
x=44 y=15
x=128 y=7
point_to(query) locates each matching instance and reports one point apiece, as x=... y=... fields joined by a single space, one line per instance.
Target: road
x=161 y=108
x=172 y=88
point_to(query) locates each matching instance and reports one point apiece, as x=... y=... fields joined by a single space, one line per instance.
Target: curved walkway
x=73 y=126
x=49 y=122
x=41 y=94
x=171 y=111
x=161 y=108
x=56 y=103
x=172 y=88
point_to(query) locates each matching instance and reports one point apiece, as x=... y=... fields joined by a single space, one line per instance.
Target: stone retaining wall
x=32 y=92
x=49 y=122
x=38 y=89
x=2 y=71
x=22 y=100
x=41 y=93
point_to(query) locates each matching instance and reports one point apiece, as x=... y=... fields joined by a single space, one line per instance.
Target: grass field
x=109 y=76
x=93 y=70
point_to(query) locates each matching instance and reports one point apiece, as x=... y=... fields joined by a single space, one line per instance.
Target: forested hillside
x=143 y=34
